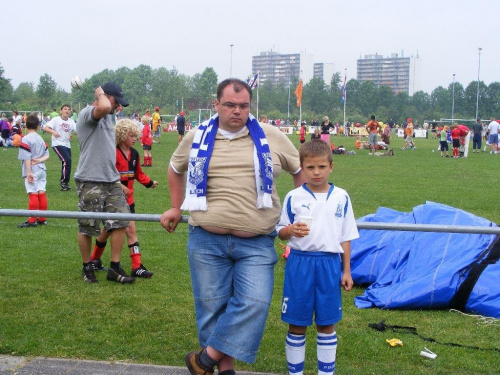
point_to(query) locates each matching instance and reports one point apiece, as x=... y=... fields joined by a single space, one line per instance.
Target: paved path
x=10 y=365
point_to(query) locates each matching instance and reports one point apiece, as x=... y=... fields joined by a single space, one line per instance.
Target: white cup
x=428 y=355
x=306 y=220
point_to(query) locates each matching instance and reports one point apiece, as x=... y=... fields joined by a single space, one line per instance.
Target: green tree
x=206 y=87
x=24 y=93
x=5 y=88
x=46 y=91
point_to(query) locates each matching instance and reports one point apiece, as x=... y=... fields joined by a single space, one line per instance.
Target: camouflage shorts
x=100 y=197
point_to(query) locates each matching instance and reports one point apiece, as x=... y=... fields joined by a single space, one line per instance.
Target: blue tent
x=428 y=270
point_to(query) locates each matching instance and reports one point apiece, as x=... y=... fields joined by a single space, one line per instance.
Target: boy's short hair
x=65 y=105
x=145 y=119
x=123 y=128
x=32 y=122
x=315 y=148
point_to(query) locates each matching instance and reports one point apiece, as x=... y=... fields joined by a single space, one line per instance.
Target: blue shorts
x=493 y=139
x=312 y=285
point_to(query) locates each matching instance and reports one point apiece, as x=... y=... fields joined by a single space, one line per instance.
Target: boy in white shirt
x=318 y=221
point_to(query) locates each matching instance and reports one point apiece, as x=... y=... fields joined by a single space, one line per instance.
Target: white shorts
x=39 y=184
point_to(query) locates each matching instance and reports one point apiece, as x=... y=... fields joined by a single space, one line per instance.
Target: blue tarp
x=424 y=270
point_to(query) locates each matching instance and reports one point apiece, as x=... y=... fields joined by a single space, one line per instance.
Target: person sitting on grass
x=129 y=166
x=33 y=152
x=318 y=221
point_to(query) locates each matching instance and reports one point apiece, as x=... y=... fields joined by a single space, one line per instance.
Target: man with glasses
x=231 y=161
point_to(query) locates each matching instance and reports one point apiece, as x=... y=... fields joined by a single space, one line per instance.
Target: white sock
x=295 y=353
x=327 y=351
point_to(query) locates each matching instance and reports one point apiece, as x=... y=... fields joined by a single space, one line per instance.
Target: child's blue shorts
x=312 y=285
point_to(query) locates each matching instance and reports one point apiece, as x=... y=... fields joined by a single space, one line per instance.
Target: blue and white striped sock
x=295 y=353
x=327 y=351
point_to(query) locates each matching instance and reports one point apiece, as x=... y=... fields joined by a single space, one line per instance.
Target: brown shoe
x=194 y=365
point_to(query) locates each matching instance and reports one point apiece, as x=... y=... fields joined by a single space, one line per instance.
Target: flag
x=253 y=82
x=342 y=96
x=298 y=93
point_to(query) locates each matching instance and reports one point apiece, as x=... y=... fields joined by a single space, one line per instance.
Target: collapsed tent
x=428 y=270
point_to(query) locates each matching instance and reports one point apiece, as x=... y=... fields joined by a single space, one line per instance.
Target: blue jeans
x=232 y=279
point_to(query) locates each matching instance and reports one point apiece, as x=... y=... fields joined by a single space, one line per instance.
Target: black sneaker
x=27 y=224
x=119 y=276
x=142 y=272
x=97 y=264
x=88 y=274
x=42 y=223
x=65 y=187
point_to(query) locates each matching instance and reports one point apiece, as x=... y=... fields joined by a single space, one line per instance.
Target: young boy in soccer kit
x=319 y=260
x=147 y=141
x=33 y=152
x=128 y=164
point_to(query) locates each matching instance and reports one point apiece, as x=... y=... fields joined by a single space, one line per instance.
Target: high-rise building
x=325 y=71
x=281 y=68
x=401 y=74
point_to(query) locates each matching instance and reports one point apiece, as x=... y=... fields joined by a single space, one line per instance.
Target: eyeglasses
x=232 y=106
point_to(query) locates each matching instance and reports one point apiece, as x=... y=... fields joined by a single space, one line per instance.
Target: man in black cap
x=98 y=181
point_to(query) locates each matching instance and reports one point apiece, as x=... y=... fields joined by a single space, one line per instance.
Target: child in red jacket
x=128 y=164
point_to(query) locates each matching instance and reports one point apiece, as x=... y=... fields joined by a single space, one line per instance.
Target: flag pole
x=345 y=92
x=258 y=84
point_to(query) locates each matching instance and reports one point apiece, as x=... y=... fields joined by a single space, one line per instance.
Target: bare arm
x=49 y=130
x=101 y=103
x=39 y=160
x=346 y=282
x=299 y=179
x=170 y=218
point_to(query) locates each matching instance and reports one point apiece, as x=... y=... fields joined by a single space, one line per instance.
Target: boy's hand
x=155 y=184
x=299 y=230
x=30 y=177
x=347 y=282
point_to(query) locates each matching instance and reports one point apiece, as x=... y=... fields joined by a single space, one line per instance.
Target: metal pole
x=231 y=67
x=156 y=218
x=478 y=69
x=453 y=100
x=288 y=93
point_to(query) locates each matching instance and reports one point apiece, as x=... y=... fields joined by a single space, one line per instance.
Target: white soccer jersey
x=333 y=218
x=64 y=128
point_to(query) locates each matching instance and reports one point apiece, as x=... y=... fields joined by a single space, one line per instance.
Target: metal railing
x=156 y=218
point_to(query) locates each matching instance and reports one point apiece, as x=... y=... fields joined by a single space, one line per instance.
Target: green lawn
x=47 y=310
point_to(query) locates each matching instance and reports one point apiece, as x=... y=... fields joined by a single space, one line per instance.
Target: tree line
x=146 y=88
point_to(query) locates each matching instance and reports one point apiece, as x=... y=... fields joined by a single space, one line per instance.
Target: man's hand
x=169 y=219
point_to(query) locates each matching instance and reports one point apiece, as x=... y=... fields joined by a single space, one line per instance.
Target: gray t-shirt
x=97 y=148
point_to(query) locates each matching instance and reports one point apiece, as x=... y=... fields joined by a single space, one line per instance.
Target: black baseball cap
x=115 y=90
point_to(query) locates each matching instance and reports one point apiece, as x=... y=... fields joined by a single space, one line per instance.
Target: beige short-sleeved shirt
x=231 y=189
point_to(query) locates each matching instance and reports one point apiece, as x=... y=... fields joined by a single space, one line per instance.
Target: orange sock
x=32 y=205
x=42 y=204
x=135 y=255
x=99 y=248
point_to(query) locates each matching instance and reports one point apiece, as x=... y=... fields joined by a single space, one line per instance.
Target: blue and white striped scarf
x=199 y=159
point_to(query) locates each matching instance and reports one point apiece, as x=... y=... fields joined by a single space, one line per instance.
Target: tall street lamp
x=231 y=66
x=478 y=69
x=453 y=100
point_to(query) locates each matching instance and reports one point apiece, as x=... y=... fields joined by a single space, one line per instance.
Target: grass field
x=47 y=310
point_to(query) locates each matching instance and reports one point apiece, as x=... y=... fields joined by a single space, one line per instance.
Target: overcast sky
x=68 y=38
